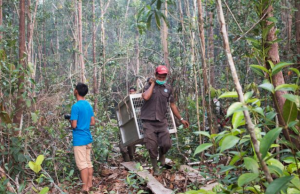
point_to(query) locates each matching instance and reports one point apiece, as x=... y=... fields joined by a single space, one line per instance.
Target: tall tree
x=81 y=56
x=164 y=36
x=204 y=64
x=95 y=83
x=18 y=117
x=277 y=79
x=1 y=18
x=297 y=29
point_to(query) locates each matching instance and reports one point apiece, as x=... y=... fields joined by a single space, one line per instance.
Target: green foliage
x=37 y=165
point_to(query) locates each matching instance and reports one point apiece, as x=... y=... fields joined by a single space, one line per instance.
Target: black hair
x=132 y=88
x=82 y=89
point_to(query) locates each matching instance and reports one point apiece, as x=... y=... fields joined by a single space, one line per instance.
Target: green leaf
x=157 y=19
x=202 y=147
x=279 y=66
x=296 y=71
x=268 y=140
x=229 y=95
x=149 y=21
x=39 y=159
x=202 y=133
x=272 y=19
x=28 y=103
x=278 y=184
x=251 y=164
x=246 y=178
x=296 y=182
x=258 y=67
x=34 y=117
x=290 y=111
x=238 y=119
x=287 y=87
x=248 y=95
x=44 y=190
x=271 y=64
x=293 y=98
x=229 y=142
x=158 y=4
x=234 y=107
x=267 y=86
x=259 y=110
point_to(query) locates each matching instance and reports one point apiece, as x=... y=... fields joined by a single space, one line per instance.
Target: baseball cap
x=161 y=69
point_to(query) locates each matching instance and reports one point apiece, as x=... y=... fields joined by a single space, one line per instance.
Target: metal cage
x=130 y=123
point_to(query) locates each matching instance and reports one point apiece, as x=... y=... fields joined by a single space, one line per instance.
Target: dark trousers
x=156 y=134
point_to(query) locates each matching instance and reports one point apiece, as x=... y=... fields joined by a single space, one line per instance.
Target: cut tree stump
x=155 y=186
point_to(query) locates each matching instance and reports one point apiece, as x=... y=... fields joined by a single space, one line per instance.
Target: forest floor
x=115 y=178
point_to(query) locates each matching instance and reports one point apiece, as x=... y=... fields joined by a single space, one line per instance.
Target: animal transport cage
x=129 y=119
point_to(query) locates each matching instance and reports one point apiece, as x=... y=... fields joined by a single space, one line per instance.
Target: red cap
x=161 y=69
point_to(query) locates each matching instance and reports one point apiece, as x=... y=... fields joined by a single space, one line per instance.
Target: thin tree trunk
x=277 y=79
x=81 y=59
x=103 y=38
x=211 y=49
x=137 y=60
x=18 y=117
x=250 y=125
x=1 y=19
x=164 y=37
x=94 y=61
x=297 y=29
x=205 y=78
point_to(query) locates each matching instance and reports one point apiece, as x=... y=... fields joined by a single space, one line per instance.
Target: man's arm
x=177 y=115
x=148 y=93
x=92 y=121
x=73 y=123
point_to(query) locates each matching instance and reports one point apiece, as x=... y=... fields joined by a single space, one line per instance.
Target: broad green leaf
x=158 y=4
x=202 y=133
x=268 y=140
x=202 y=147
x=259 y=110
x=44 y=190
x=272 y=19
x=238 y=119
x=229 y=95
x=157 y=19
x=236 y=158
x=251 y=164
x=39 y=159
x=246 y=178
x=271 y=64
x=31 y=165
x=296 y=182
x=260 y=68
x=234 y=107
x=254 y=101
x=229 y=142
x=293 y=98
x=279 y=66
x=296 y=71
x=293 y=191
x=248 y=95
x=287 y=87
x=34 y=117
x=267 y=86
x=275 y=162
x=278 y=184
x=275 y=170
x=290 y=111
x=226 y=168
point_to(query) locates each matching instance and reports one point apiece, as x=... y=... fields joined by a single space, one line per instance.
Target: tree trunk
x=164 y=37
x=297 y=29
x=81 y=59
x=205 y=78
x=94 y=61
x=103 y=38
x=137 y=61
x=250 y=125
x=1 y=18
x=277 y=79
x=211 y=49
x=18 y=117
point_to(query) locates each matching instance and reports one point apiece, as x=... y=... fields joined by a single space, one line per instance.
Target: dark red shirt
x=156 y=107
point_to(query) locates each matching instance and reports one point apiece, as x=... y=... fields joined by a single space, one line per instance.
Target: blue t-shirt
x=82 y=112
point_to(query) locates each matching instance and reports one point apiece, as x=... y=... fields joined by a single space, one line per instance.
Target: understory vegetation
x=237 y=83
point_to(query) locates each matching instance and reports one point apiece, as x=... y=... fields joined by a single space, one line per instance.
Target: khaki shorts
x=83 y=156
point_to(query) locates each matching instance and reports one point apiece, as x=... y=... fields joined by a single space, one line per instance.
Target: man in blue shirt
x=82 y=117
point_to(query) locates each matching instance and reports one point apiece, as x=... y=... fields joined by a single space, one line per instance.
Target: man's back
x=82 y=111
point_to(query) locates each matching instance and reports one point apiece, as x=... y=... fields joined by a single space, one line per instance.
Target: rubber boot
x=155 y=167
x=162 y=158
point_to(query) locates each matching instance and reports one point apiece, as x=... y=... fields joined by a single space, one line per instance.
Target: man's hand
x=152 y=80
x=185 y=123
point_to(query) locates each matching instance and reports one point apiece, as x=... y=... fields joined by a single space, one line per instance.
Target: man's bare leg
x=90 y=179
x=84 y=176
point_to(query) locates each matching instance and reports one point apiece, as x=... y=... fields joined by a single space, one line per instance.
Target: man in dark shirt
x=157 y=94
